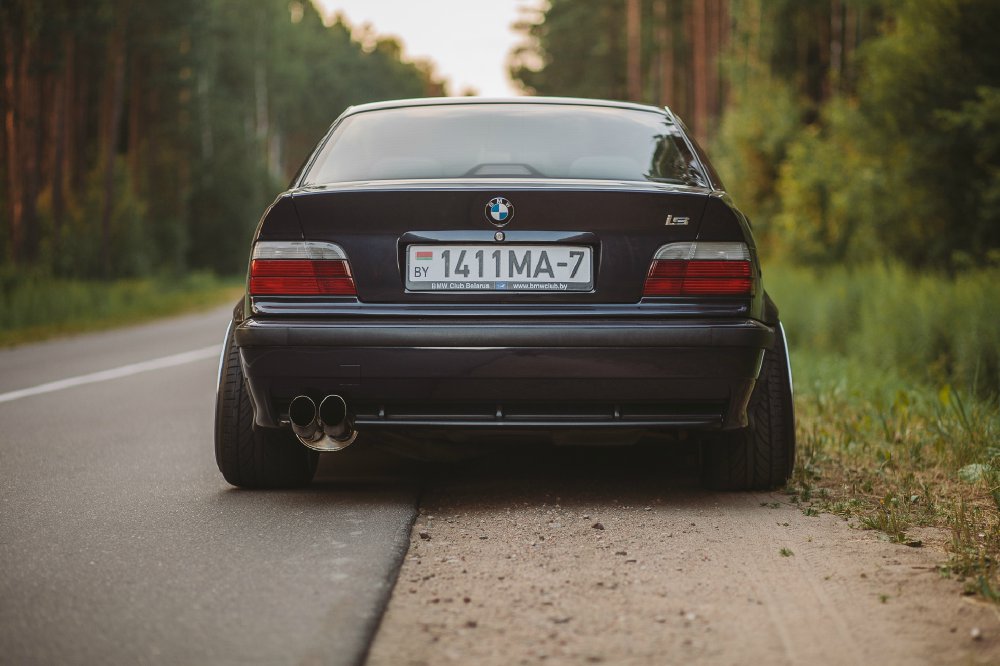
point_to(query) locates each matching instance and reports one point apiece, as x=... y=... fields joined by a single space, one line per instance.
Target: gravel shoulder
x=597 y=556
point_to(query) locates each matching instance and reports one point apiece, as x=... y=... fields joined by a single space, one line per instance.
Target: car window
x=506 y=141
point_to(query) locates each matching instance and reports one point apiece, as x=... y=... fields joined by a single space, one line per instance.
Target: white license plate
x=518 y=268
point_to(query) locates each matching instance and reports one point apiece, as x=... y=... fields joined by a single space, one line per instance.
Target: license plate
x=512 y=268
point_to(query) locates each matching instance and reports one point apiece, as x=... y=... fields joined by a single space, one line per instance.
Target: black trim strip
x=740 y=333
x=701 y=421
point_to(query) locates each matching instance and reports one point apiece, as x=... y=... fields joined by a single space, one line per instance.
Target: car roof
x=448 y=101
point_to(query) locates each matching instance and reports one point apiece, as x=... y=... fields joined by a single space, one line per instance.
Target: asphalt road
x=120 y=542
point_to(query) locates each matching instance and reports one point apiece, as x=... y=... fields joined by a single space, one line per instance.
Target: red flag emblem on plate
x=425 y=255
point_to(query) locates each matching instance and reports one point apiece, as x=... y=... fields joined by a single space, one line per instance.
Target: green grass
x=897 y=383
x=927 y=327
x=891 y=453
x=33 y=309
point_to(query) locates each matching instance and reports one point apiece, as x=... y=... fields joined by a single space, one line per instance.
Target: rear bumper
x=533 y=375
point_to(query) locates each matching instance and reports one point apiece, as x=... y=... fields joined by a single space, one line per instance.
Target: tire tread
x=760 y=456
x=249 y=456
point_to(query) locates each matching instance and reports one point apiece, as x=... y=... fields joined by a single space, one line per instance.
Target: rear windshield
x=506 y=141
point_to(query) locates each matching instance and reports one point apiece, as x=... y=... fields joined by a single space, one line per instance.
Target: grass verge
x=930 y=327
x=36 y=309
x=884 y=437
x=891 y=455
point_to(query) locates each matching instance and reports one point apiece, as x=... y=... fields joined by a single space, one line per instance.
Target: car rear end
x=515 y=293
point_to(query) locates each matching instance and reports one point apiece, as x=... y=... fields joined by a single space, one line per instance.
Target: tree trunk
x=853 y=36
x=665 y=50
x=76 y=102
x=30 y=143
x=135 y=116
x=612 y=21
x=700 y=69
x=725 y=30
x=684 y=81
x=633 y=49
x=115 y=95
x=802 y=65
x=836 y=44
x=12 y=134
x=261 y=101
x=58 y=132
x=711 y=61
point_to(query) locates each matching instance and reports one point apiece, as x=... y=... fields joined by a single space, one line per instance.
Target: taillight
x=700 y=269
x=298 y=268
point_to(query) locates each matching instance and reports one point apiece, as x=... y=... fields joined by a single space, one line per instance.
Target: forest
x=145 y=138
x=851 y=129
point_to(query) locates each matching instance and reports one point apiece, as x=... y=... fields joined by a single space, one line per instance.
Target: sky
x=468 y=40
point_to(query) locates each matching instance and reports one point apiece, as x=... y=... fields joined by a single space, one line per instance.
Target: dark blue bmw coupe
x=469 y=270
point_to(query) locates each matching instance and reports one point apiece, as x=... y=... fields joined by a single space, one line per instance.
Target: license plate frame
x=473 y=267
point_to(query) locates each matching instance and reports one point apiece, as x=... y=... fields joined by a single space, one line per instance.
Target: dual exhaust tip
x=323 y=428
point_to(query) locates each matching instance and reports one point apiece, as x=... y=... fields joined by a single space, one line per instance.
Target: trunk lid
x=624 y=223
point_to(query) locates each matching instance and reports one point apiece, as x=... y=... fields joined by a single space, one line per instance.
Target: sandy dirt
x=597 y=556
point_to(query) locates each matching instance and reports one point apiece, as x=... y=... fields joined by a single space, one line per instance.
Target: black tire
x=249 y=456
x=762 y=455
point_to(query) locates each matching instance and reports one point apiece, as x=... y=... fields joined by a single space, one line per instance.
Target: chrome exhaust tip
x=327 y=428
x=337 y=426
x=302 y=413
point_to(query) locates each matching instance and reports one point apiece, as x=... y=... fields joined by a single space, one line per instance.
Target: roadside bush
x=36 y=306
x=753 y=142
x=77 y=249
x=832 y=194
x=928 y=325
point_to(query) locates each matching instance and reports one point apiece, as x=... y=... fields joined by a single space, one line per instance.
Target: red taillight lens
x=301 y=277
x=699 y=277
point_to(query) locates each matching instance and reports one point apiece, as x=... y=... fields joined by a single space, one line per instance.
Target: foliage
x=933 y=63
x=74 y=247
x=150 y=136
x=581 y=47
x=753 y=143
x=925 y=325
x=828 y=203
x=670 y=54
x=848 y=130
x=906 y=165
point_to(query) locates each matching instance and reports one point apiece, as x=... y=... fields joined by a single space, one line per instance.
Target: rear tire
x=762 y=455
x=250 y=456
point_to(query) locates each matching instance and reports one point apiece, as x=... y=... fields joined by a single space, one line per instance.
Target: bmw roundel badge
x=499 y=211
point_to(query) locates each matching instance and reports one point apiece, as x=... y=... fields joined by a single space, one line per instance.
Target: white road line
x=115 y=373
